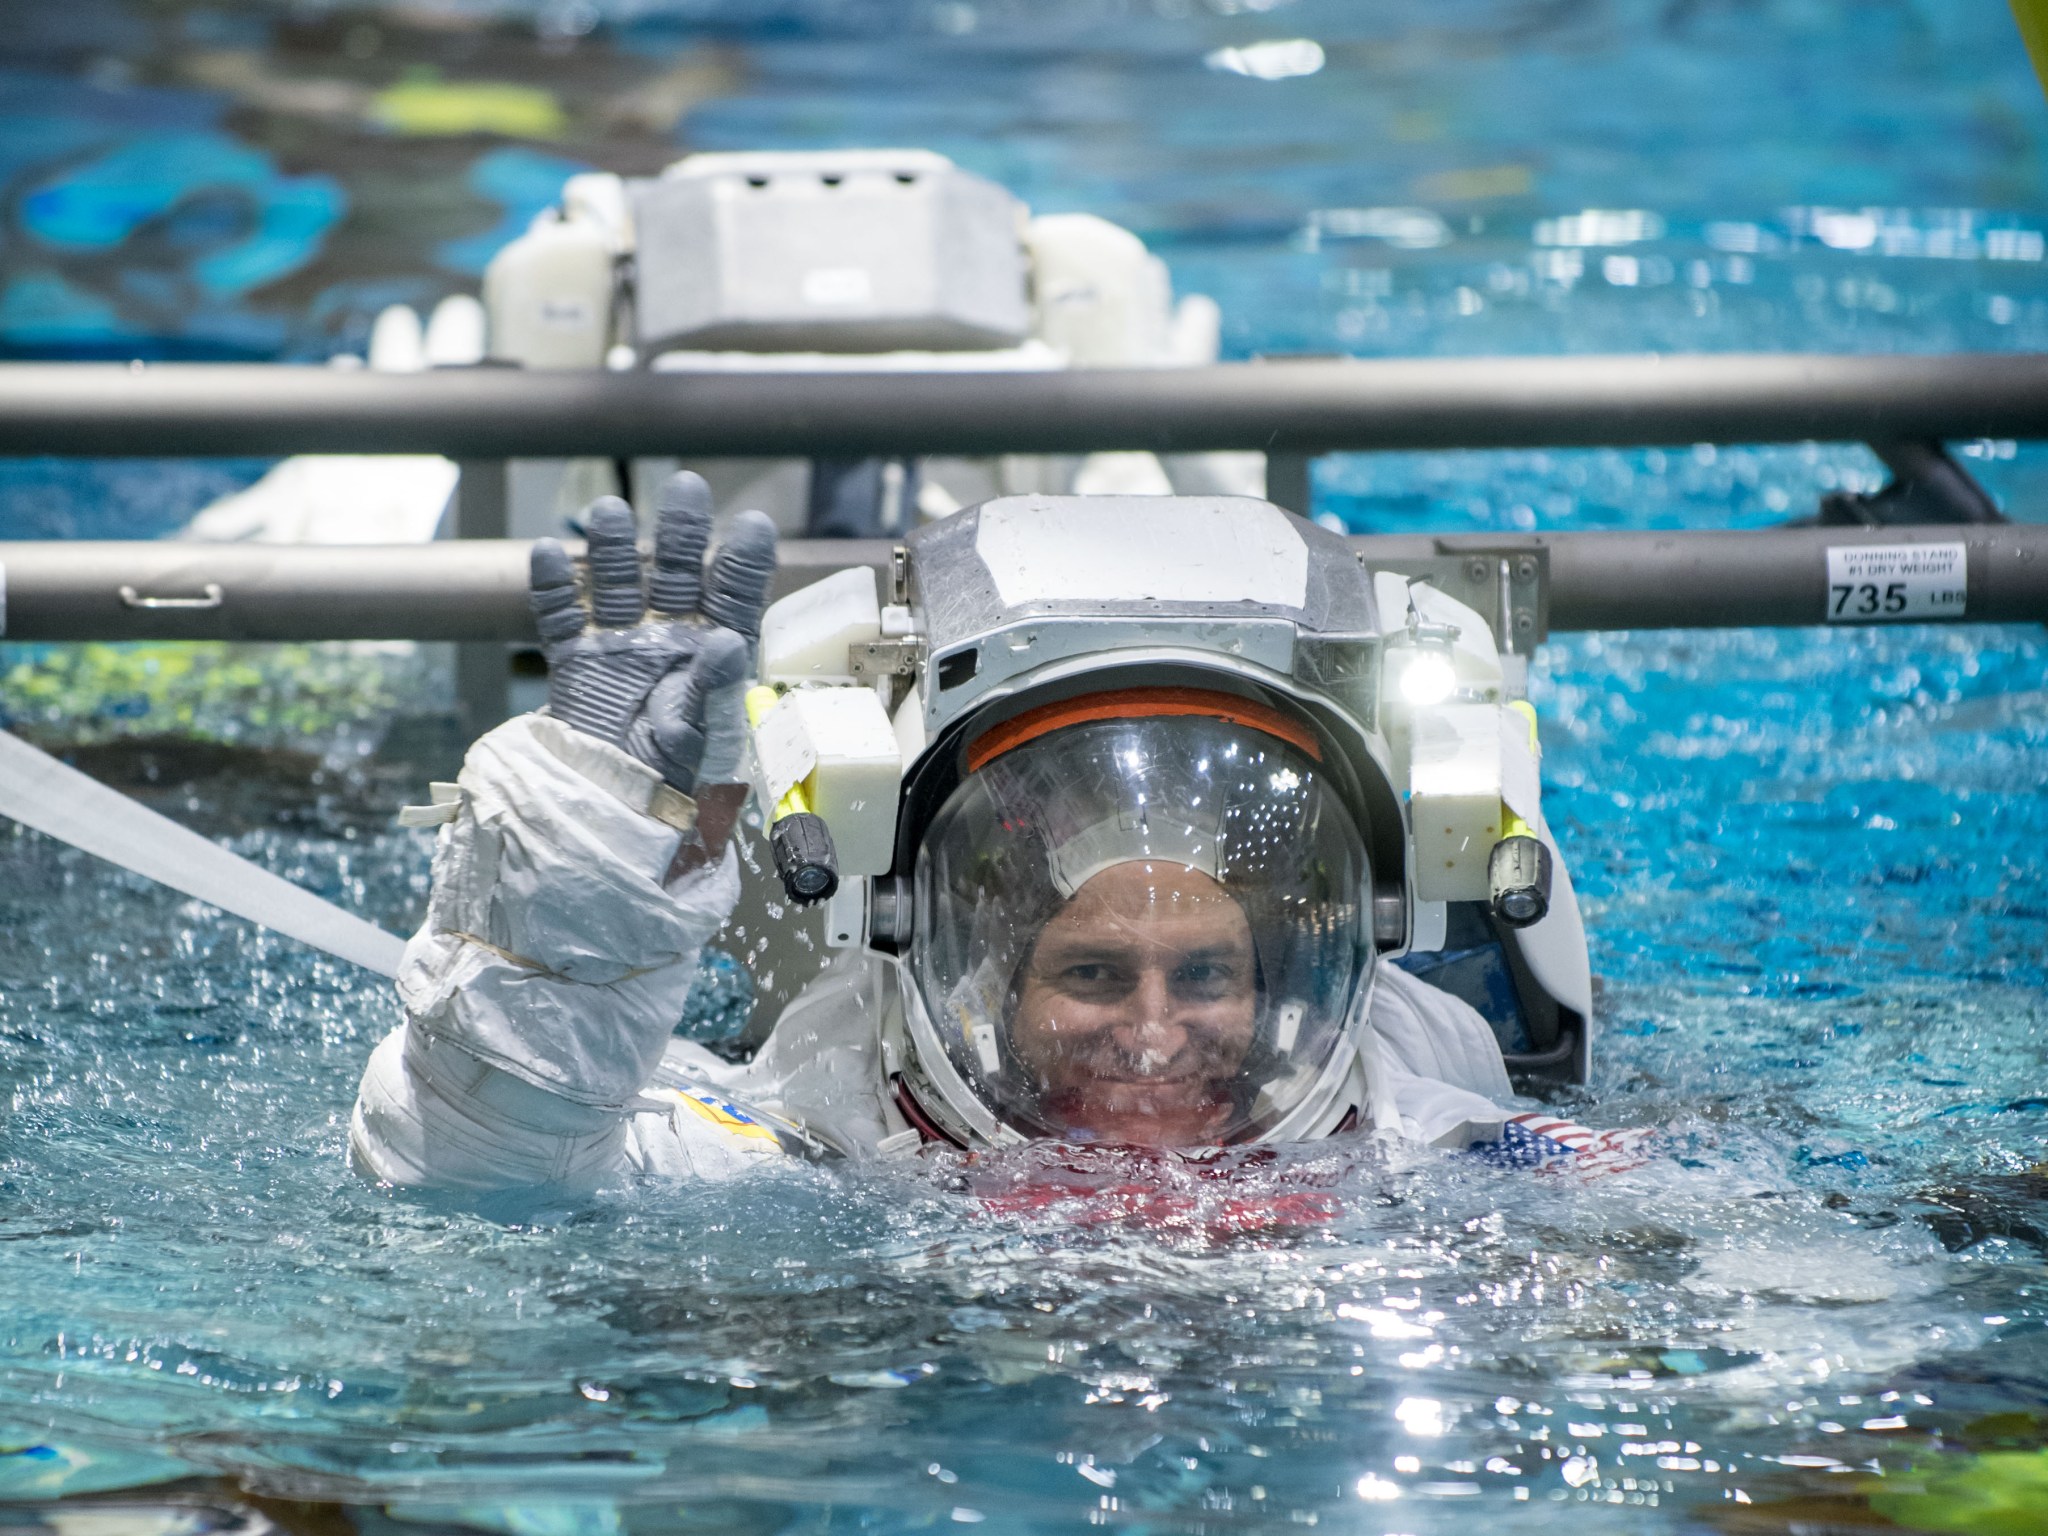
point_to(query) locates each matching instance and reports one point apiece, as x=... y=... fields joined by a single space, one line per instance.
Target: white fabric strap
x=59 y=801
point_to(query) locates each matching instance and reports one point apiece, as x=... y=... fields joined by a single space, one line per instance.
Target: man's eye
x=1096 y=980
x=1204 y=975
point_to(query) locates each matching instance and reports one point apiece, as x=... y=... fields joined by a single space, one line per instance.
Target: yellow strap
x=1527 y=711
x=1512 y=825
x=761 y=703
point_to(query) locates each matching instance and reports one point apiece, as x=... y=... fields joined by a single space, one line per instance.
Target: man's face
x=1138 y=1006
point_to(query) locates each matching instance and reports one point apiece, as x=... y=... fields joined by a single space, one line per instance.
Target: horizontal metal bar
x=455 y=589
x=1301 y=406
x=475 y=589
x=1739 y=578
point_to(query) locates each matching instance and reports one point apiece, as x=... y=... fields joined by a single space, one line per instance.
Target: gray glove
x=659 y=670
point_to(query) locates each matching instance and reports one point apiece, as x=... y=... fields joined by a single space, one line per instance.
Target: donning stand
x=472 y=590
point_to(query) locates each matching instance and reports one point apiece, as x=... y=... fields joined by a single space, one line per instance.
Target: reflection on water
x=1809 y=859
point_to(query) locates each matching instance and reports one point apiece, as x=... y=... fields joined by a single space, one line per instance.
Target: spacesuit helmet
x=1192 y=723
x=1142 y=918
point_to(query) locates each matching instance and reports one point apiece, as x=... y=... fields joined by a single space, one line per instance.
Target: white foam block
x=1454 y=798
x=855 y=773
x=805 y=636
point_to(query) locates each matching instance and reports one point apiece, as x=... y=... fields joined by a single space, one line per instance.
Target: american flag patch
x=1544 y=1141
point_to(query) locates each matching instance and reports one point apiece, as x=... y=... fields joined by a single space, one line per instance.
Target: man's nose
x=1153 y=1031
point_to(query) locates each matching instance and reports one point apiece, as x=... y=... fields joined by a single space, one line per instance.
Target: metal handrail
x=1282 y=407
x=475 y=589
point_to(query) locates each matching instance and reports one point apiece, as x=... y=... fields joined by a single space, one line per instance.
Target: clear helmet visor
x=1144 y=931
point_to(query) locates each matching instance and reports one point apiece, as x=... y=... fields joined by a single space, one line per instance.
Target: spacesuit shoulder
x=1432 y=1034
x=821 y=1068
x=695 y=1130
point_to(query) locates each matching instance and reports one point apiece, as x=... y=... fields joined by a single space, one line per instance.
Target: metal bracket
x=1290 y=482
x=1926 y=486
x=870 y=659
x=210 y=596
x=1505 y=579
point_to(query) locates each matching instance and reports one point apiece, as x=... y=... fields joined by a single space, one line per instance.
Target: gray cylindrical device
x=1518 y=875
x=805 y=859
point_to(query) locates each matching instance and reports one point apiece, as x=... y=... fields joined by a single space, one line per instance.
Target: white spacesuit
x=1130 y=882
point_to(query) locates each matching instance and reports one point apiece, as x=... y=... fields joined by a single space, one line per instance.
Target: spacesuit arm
x=553 y=964
x=563 y=928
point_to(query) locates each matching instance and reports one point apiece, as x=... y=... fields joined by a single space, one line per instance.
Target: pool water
x=1811 y=860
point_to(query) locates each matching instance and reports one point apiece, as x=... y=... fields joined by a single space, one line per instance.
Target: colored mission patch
x=721 y=1112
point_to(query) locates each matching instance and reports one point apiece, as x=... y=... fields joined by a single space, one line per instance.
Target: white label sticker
x=565 y=314
x=784 y=750
x=1871 y=583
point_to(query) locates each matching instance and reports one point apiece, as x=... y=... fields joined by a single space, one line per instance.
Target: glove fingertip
x=750 y=531
x=684 y=493
x=609 y=518
x=549 y=565
x=740 y=574
x=551 y=592
x=616 y=598
x=682 y=527
x=722 y=661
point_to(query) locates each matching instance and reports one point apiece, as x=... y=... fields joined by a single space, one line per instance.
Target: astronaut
x=1125 y=865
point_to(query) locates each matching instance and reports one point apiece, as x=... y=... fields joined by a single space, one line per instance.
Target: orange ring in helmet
x=1138 y=704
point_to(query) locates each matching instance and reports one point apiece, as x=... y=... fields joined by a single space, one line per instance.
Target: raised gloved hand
x=659 y=668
